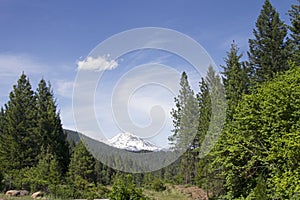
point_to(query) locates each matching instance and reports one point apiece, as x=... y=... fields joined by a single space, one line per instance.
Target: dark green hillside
x=72 y=136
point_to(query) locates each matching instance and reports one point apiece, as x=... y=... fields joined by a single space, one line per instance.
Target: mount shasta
x=132 y=142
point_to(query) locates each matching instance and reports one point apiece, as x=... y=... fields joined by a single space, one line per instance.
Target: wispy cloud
x=64 y=88
x=12 y=65
x=100 y=63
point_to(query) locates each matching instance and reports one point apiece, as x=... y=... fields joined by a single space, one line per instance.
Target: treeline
x=37 y=154
x=30 y=134
x=257 y=154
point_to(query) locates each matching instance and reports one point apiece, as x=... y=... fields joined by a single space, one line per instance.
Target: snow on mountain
x=132 y=142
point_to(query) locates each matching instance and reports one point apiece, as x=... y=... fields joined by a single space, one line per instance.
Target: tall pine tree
x=18 y=149
x=204 y=103
x=30 y=125
x=218 y=110
x=2 y=125
x=268 y=52
x=49 y=128
x=184 y=116
x=185 y=120
x=18 y=141
x=235 y=79
x=82 y=164
x=212 y=118
x=294 y=14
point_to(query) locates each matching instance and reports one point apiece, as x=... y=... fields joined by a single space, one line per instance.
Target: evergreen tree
x=49 y=126
x=2 y=120
x=184 y=116
x=212 y=106
x=45 y=175
x=204 y=103
x=268 y=51
x=185 y=120
x=294 y=14
x=218 y=110
x=18 y=139
x=82 y=164
x=103 y=174
x=2 y=124
x=234 y=78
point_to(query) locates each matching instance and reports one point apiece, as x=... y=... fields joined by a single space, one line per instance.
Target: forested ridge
x=256 y=155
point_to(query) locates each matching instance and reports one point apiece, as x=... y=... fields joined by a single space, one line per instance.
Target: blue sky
x=48 y=38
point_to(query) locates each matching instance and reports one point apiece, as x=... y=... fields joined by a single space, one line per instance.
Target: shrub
x=158 y=185
x=124 y=189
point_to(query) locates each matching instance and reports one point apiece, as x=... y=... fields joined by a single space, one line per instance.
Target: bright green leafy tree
x=263 y=140
x=124 y=189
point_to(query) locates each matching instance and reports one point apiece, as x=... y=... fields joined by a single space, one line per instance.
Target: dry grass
x=3 y=196
x=166 y=195
x=178 y=192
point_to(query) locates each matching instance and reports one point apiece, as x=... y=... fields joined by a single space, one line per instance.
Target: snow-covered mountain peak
x=132 y=142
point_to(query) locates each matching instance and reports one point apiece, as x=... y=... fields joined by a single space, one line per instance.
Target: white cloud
x=97 y=64
x=64 y=88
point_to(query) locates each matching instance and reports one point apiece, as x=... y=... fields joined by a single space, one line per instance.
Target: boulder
x=37 y=194
x=13 y=193
x=24 y=193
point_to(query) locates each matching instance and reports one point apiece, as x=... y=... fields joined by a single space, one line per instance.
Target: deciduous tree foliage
x=263 y=139
x=124 y=189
